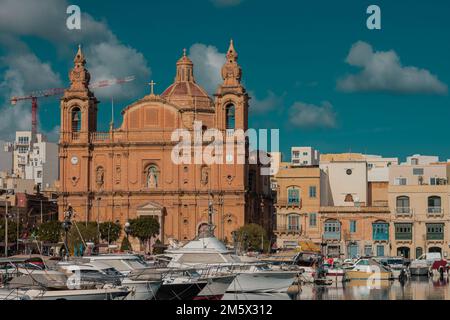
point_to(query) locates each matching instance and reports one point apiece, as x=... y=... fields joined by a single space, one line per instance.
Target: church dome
x=185 y=92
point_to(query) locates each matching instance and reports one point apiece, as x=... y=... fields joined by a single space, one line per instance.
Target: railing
x=407 y=211
x=435 y=210
x=288 y=229
x=75 y=136
x=100 y=136
x=286 y=203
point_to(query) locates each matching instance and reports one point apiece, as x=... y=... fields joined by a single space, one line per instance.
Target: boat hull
x=419 y=271
x=179 y=291
x=263 y=282
x=363 y=275
x=84 y=295
x=216 y=288
x=141 y=290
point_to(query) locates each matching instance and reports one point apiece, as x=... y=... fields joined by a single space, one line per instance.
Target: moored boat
x=251 y=276
x=368 y=269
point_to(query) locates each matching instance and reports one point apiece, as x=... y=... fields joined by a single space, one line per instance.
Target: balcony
x=288 y=204
x=404 y=211
x=286 y=229
x=378 y=236
x=435 y=236
x=435 y=211
x=404 y=236
x=332 y=236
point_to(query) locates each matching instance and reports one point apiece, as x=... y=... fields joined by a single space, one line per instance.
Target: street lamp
x=67 y=224
x=127 y=229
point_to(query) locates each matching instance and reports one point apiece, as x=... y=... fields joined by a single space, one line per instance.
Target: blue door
x=380 y=251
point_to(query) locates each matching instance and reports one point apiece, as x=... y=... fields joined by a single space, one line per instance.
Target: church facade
x=128 y=171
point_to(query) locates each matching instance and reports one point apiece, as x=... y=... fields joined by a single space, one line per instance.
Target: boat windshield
x=136 y=263
x=363 y=262
x=112 y=272
x=263 y=267
x=394 y=261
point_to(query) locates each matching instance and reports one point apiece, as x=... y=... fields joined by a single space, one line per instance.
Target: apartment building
x=297 y=205
x=419 y=203
x=304 y=156
x=354 y=213
x=35 y=160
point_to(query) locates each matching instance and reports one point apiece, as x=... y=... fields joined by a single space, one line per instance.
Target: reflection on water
x=420 y=288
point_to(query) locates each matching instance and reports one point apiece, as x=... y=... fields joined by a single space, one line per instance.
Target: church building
x=128 y=171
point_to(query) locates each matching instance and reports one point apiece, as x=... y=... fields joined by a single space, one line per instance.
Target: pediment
x=150 y=206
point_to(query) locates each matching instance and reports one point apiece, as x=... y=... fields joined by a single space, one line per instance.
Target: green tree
x=49 y=231
x=80 y=233
x=251 y=236
x=144 y=228
x=110 y=231
x=12 y=230
x=126 y=245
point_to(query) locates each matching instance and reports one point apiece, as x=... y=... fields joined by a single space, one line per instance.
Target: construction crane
x=59 y=91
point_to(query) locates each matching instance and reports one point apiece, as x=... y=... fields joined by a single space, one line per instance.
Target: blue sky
x=313 y=68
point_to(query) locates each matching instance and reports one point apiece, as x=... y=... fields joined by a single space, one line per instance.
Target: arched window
x=230 y=116
x=403 y=204
x=76 y=119
x=203 y=230
x=380 y=231
x=332 y=230
x=293 y=222
x=434 y=204
x=152 y=176
x=293 y=196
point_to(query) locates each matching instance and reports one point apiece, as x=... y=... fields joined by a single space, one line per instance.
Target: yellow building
x=354 y=231
x=419 y=201
x=297 y=205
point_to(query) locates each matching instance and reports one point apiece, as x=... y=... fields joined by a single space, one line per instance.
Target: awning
x=308 y=246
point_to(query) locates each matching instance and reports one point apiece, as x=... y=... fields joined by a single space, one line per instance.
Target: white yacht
x=251 y=276
x=54 y=285
x=177 y=283
x=140 y=289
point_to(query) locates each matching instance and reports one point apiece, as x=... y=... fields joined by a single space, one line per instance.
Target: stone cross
x=152 y=85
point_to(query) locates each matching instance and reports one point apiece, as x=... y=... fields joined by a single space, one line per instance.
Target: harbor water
x=414 y=289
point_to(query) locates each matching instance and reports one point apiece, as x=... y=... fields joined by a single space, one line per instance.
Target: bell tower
x=78 y=105
x=231 y=97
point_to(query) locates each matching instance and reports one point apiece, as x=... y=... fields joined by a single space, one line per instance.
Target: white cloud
x=269 y=103
x=226 y=3
x=24 y=72
x=111 y=60
x=208 y=62
x=382 y=71
x=305 y=115
x=106 y=56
